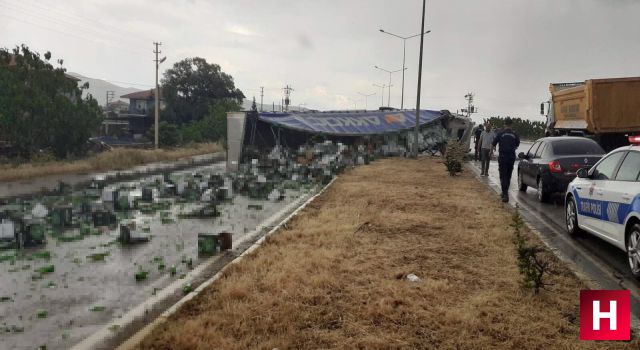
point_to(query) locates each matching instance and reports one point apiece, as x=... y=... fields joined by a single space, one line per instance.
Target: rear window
x=570 y=147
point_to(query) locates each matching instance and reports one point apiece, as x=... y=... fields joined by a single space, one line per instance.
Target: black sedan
x=551 y=163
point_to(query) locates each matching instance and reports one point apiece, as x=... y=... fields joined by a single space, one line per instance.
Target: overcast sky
x=505 y=51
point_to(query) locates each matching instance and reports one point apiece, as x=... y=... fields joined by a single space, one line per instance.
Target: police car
x=605 y=201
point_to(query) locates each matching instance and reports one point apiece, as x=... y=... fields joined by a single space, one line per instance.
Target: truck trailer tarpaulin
x=265 y=130
x=350 y=123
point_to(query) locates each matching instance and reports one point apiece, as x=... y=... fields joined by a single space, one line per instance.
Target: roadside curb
x=138 y=322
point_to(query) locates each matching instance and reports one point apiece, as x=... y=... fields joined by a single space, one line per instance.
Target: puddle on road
x=60 y=293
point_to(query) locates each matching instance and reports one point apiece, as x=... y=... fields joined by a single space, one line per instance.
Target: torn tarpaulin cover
x=350 y=123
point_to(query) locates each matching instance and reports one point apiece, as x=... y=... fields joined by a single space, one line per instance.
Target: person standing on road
x=477 y=134
x=507 y=141
x=486 y=145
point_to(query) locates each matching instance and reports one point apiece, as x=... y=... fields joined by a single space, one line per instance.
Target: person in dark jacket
x=507 y=141
x=477 y=134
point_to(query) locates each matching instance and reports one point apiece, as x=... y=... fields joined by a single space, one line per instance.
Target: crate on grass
x=208 y=244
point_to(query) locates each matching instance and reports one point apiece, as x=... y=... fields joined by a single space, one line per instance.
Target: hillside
x=98 y=88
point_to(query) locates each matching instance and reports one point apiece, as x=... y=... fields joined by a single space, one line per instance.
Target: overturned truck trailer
x=388 y=132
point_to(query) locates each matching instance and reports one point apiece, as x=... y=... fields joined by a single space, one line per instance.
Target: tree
x=526 y=129
x=191 y=86
x=213 y=127
x=41 y=107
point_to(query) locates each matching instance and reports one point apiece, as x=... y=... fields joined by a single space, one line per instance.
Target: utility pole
x=261 y=97
x=110 y=96
x=287 y=97
x=417 y=131
x=470 y=107
x=157 y=105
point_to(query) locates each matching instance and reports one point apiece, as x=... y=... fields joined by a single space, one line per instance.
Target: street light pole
x=415 y=152
x=366 y=105
x=404 y=55
x=390 y=72
x=382 y=94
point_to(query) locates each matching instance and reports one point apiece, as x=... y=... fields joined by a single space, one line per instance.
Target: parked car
x=551 y=163
x=605 y=201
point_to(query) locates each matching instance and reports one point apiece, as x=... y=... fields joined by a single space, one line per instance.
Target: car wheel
x=521 y=185
x=543 y=193
x=572 y=217
x=633 y=250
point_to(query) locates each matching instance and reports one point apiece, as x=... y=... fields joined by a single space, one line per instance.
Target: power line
x=42 y=26
x=34 y=16
x=89 y=23
x=62 y=23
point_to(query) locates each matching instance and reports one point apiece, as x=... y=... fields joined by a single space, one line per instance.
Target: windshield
x=582 y=147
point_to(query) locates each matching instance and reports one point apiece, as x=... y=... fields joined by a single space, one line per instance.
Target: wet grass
x=117 y=159
x=336 y=275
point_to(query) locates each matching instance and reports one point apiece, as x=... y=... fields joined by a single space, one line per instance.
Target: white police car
x=605 y=201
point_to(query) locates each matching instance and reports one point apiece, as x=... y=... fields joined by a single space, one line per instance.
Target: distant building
x=128 y=124
x=118 y=107
x=143 y=102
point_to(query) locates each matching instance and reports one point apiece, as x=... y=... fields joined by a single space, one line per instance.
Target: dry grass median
x=335 y=277
x=116 y=159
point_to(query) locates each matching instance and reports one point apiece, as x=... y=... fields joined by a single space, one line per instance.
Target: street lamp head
x=382 y=30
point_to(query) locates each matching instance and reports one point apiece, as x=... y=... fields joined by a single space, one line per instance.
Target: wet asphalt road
x=81 y=295
x=599 y=261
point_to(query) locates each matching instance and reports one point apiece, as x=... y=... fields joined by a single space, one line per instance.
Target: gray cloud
x=506 y=51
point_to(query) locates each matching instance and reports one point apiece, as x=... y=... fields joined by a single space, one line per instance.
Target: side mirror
x=521 y=155
x=582 y=173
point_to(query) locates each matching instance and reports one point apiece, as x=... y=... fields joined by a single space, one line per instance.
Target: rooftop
x=142 y=95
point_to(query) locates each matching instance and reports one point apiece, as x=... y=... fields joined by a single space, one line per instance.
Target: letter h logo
x=605 y=315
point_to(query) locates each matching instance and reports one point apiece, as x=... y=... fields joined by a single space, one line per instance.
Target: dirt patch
x=117 y=159
x=335 y=277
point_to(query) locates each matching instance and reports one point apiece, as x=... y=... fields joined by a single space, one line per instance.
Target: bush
x=533 y=263
x=168 y=135
x=454 y=157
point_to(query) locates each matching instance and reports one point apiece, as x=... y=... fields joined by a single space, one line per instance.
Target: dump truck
x=606 y=110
